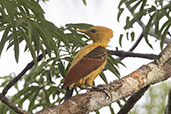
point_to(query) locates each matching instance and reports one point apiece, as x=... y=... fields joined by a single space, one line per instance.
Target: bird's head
x=99 y=34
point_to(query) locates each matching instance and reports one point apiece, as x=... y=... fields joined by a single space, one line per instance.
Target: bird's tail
x=68 y=93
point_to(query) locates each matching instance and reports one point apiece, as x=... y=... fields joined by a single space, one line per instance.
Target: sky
x=97 y=12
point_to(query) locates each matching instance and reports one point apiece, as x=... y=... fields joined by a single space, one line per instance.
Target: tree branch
x=134 y=46
x=154 y=72
x=12 y=82
x=6 y=101
x=124 y=54
x=137 y=42
x=132 y=100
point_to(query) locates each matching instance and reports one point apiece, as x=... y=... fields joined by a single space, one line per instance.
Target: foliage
x=157 y=12
x=24 y=21
x=156 y=100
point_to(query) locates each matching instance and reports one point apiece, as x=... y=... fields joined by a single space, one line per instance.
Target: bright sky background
x=97 y=12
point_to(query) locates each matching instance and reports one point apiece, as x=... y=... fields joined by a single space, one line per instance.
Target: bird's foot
x=100 y=88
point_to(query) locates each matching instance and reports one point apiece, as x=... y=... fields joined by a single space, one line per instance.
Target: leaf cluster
x=24 y=21
x=158 y=14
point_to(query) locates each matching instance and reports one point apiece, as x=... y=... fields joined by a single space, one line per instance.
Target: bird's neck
x=101 y=42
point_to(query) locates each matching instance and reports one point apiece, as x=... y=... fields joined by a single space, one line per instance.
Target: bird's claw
x=100 y=89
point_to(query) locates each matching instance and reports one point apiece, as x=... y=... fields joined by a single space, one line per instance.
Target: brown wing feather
x=81 y=69
x=86 y=65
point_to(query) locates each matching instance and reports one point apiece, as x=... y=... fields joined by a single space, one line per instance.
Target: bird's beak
x=82 y=30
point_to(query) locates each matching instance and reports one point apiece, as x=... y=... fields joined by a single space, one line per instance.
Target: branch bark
x=154 y=72
x=6 y=101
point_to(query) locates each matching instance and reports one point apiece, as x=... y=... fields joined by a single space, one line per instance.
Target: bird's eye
x=93 y=31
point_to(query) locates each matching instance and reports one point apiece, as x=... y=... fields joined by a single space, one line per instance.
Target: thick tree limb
x=154 y=72
x=134 y=98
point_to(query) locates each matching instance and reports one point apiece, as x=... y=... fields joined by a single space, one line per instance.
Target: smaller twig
x=135 y=45
x=11 y=105
x=12 y=82
x=131 y=54
x=132 y=100
x=137 y=42
x=169 y=34
x=168 y=107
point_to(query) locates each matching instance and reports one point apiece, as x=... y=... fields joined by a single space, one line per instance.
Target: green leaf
x=143 y=5
x=5 y=38
x=103 y=77
x=151 y=9
x=163 y=26
x=79 y=25
x=130 y=2
x=163 y=36
x=16 y=44
x=147 y=28
x=4 y=108
x=166 y=13
x=135 y=6
x=111 y=109
x=84 y=2
x=127 y=35
x=119 y=13
x=29 y=44
x=132 y=36
x=156 y=22
x=120 y=39
x=97 y=112
x=61 y=68
x=120 y=3
x=111 y=63
x=127 y=23
x=33 y=99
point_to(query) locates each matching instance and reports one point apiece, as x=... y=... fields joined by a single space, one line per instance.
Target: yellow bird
x=89 y=61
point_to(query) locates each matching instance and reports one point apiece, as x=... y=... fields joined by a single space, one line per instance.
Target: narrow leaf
x=103 y=77
x=119 y=13
x=147 y=28
x=163 y=36
x=120 y=39
x=16 y=44
x=5 y=38
x=84 y=2
x=132 y=36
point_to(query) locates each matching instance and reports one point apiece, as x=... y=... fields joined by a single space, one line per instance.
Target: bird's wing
x=90 y=62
